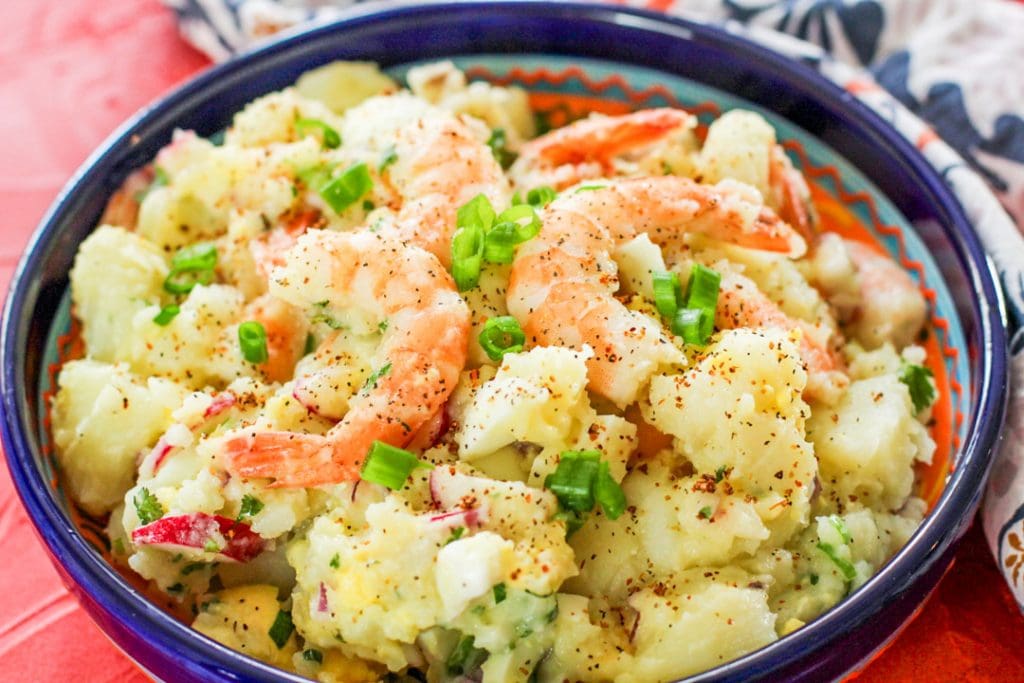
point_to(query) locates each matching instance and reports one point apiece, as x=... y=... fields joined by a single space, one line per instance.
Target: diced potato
x=592 y=652
x=103 y=417
x=242 y=618
x=116 y=274
x=739 y=147
x=868 y=442
x=342 y=85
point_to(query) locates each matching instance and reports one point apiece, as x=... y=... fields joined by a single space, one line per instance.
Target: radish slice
x=221 y=402
x=198 y=532
x=321 y=605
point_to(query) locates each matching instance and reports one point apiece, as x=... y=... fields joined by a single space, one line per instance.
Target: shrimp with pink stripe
x=417 y=365
x=563 y=281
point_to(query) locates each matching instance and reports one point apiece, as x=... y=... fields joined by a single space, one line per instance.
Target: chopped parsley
x=498 y=142
x=335 y=561
x=211 y=546
x=705 y=512
x=500 y=593
x=371 y=381
x=390 y=157
x=457 y=533
x=919 y=382
x=251 y=506
x=281 y=630
x=312 y=655
x=147 y=507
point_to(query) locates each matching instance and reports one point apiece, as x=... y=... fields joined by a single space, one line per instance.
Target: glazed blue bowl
x=603 y=37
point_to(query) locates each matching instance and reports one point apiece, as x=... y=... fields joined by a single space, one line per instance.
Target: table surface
x=69 y=74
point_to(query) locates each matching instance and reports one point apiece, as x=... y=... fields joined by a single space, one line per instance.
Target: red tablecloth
x=70 y=71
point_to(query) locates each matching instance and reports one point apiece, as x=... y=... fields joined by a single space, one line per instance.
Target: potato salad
x=381 y=384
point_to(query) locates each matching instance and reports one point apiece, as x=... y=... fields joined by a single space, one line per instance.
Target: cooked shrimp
x=286 y=327
x=790 y=195
x=123 y=208
x=417 y=365
x=742 y=304
x=440 y=164
x=563 y=281
x=891 y=307
x=268 y=249
x=587 y=149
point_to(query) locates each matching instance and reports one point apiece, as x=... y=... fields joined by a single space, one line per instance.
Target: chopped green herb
x=312 y=655
x=310 y=344
x=845 y=567
x=322 y=316
x=839 y=525
x=250 y=507
x=539 y=197
x=281 y=630
x=501 y=335
x=705 y=512
x=500 y=593
x=252 y=339
x=382 y=326
x=456 y=534
x=389 y=466
x=608 y=493
x=346 y=189
x=814 y=579
x=589 y=188
x=918 y=380
x=465 y=657
x=573 y=520
x=720 y=473
x=371 y=381
x=335 y=561
x=390 y=157
x=328 y=135
x=193 y=567
x=498 y=142
x=118 y=546
x=211 y=546
x=147 y=507
x=166 y=315
x=368 y=205
x=191 y=266
x=176 y=588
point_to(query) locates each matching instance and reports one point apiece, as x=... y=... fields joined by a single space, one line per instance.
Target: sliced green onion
x=839 y=525
x=467 y=256
x=608 y=493
x=348 y=188
x=312 y=655
x=845 y=567
x=589 y=188
x=191 y=266
x=573 y=520
x=692 y=324
x=477 y=212
x=539 y=197
x=500 y=243
x=250 y=507
x=501 y=335
x=500 y=593
x=147 y=507
x=330 y=137
x=702 y=290
x=335 y=561
x=456 y=534
x=524 y=217
x=281 y=630
x=572 y=482
x=315 y=177
x=192 y=567
x=211 y=546
x=166 y=315
x=918 y=381
x=465 y=657
x=498 y=142
x=389 y=157
x=667 y=292
x=252 y=339
x=389 y=466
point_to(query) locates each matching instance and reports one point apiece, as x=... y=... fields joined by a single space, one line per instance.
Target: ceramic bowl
x=573 y=59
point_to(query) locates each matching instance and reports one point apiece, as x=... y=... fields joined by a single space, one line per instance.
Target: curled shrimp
x=422 y=351
x=790 y=195
x=563 y=281
x=440 y=164
x=587 y=149
x=742 y=304
x=891 y=307
x=286 y=328
x=123 y=208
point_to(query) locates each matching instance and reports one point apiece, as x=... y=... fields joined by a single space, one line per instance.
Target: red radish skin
x=221 y=402
x=459 y=518
x=191 y=533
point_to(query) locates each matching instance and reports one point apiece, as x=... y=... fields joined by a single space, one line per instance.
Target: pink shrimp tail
x=603 y=138
x=291 y=460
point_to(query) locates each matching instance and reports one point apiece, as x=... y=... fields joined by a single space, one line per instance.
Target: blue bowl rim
x=128 y=607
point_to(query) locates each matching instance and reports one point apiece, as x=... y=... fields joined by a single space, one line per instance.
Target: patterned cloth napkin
x=949 y=66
